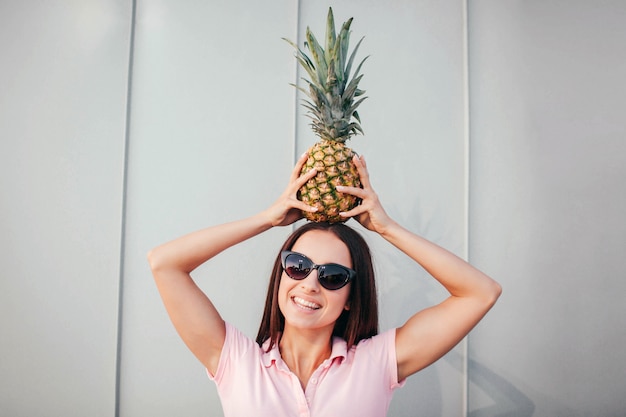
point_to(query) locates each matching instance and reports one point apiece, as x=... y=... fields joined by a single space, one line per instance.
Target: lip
x=303 y=304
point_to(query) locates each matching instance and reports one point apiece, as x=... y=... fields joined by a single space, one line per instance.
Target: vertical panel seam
x=294 y=142
x=295 y=81
x=129 y=80
x=466 y=186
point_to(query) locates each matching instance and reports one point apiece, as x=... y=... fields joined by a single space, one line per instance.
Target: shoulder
x=238 y=349
x=379 y=343
x=376 y=352
x=236 y=338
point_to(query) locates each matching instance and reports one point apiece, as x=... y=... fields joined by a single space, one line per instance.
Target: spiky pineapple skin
x=333 y=161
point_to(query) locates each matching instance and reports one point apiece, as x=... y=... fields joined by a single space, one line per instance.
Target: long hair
x=353 y=325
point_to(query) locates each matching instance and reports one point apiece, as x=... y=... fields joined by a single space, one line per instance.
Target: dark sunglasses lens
x=333 y=277
x=297 y=267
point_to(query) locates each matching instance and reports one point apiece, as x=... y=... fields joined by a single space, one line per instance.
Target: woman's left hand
x=370 y=213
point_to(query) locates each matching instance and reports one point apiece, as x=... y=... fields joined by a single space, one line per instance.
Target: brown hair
x=353 y=325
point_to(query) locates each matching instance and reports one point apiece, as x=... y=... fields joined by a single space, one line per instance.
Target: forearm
x=458 y=277
x=190 y=251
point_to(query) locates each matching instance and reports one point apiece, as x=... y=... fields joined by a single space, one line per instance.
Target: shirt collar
x=339 y=350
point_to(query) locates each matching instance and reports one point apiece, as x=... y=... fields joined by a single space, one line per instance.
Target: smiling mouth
x=300 y=302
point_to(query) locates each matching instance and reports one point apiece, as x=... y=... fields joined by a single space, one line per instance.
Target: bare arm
x=430 y=333
x=194 y=316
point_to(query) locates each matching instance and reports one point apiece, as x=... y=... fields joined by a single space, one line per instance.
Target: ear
x=347 y=307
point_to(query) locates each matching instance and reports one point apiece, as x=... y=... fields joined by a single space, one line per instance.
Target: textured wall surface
x=63 y=96
x=493 y=128
x=548 y=150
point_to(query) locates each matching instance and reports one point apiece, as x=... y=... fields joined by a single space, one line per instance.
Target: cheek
x=341 y=298
x=283 y=289
x=285 y=284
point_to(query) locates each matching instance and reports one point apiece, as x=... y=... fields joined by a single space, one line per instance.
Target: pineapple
x=332 y=109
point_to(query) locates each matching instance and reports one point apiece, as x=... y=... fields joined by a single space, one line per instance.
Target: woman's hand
x=287 y=209
x=370 y=212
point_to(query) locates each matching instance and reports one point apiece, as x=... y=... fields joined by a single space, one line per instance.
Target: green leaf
x=331 y=80
x=304 y=60
x=330 y=33
x=318 y=57
x=320 y=95
x=352 y=109
x=343 y=44
x=310 y=70
x=348 y=94
x=301 y=89
x=349 y=65
x=354 y=127
x=340 y=59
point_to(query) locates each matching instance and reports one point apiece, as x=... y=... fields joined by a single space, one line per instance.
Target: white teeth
x=306 y=304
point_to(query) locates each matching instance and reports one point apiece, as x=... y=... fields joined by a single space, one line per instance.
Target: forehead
x=323 y=247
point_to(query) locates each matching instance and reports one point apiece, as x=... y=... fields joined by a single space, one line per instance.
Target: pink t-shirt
x=358 y=382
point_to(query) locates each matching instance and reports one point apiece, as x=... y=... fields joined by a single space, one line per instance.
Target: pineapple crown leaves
x=332 y=91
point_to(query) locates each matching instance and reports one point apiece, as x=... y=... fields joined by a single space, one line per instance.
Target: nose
x=311 y=283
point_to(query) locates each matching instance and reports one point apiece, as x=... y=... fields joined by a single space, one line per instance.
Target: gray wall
x=494 y=128
x=63 y=77
x=548 y=197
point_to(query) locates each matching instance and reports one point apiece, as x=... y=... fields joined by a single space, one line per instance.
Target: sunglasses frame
x=350 y=273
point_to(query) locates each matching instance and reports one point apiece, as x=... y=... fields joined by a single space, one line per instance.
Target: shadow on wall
x=508 y=401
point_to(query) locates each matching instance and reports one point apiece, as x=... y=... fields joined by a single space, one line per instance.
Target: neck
x=304 y=352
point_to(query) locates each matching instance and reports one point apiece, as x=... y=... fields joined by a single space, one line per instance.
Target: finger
x=300 y=181
x=355 y=191
x=362 y=160
x=354 y=212
x=306 y=207
x=361 y=167
x=298 y=167
x=297 y=204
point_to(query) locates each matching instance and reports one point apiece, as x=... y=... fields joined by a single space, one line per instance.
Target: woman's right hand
x=287 y=209
x=370 y=213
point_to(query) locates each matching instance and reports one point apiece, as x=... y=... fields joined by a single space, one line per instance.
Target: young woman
x=318 y=351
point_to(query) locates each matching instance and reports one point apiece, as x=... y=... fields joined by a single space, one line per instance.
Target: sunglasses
x=330 y=276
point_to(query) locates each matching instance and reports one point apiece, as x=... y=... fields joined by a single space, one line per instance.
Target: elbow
x=494 y=293
x=154 y=259
x=162 y=262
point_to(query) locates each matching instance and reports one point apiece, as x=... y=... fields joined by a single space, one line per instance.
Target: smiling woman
x=359 y=318
x=319 y=330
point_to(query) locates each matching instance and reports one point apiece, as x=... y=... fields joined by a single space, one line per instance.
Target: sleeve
x=236 y=345
x=380 y=350
x=390 y=340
